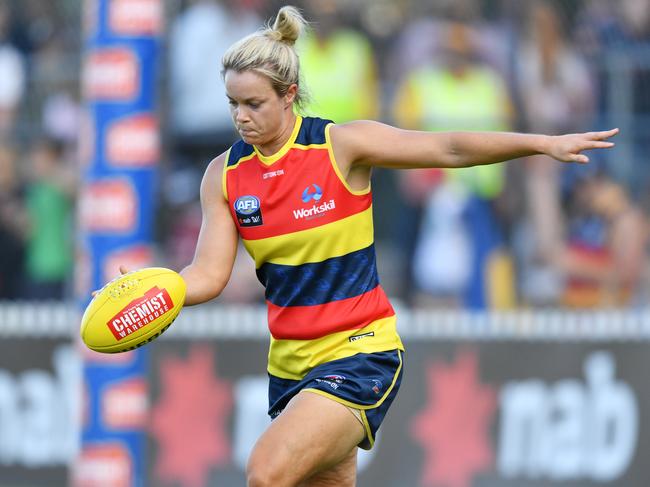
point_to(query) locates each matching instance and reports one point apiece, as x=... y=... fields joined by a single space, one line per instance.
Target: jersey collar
x=268 y=160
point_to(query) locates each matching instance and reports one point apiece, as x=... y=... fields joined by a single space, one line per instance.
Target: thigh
x=313 y=434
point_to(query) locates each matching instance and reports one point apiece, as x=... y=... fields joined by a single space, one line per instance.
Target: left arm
x=367 y=143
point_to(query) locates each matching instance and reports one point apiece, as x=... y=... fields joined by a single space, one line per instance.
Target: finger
x=599 y=145
x=605 y=134
x=94 y=293
x=124 y=269
x=579 y=158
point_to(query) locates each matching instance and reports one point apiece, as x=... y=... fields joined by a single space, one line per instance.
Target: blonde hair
x=271 y=53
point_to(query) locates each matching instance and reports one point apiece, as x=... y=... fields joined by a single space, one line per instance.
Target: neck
x=274 y=145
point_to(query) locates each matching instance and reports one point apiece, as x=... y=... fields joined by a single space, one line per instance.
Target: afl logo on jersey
x=312 y=192
x=248 y=210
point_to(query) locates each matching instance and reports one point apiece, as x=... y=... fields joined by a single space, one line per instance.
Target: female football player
x=296 y=190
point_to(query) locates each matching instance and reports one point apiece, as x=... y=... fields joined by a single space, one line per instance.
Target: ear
x=290 y=95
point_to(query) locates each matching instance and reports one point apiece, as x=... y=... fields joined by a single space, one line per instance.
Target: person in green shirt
x=50 y=210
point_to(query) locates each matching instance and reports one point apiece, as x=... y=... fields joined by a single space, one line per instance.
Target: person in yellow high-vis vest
x=455 y=92
x=338 y=65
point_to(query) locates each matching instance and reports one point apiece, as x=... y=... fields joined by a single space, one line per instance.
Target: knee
x=264 y=471
x=257 y=478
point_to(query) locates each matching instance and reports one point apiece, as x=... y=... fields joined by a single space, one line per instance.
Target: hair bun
x=288 y=25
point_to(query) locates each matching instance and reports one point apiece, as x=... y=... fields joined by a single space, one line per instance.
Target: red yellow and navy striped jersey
x=311 y=237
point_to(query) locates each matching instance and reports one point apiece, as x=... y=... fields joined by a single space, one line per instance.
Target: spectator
x=12 y=73
x=553 y=79
x=54 y=92
x=199 y=35
x=339 y=67
x=458 y=93
x=556 y=91
x=49 y=201
x=61 y=115
x=616 y=35
x=604 y=268
x=423 y=36
x=13 y=226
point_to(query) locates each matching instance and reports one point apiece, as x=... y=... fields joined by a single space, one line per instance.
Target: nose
x=241 y=115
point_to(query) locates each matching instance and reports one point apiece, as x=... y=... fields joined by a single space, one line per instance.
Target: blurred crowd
x=528 y=233
x=39 y=113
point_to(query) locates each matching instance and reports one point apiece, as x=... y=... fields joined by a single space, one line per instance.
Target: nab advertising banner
x=469 y=414
x=120 y=153
x=39 y=410
x=507 y=414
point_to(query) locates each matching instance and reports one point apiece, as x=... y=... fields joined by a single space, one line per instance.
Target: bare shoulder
x=367 y=142
x=351 y=132
x=350 y=141
x=216 y=165
x=211 y=186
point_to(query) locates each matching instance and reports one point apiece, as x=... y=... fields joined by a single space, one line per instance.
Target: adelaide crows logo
x=312 y=192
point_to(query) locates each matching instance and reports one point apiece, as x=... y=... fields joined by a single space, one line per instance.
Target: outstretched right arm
x=216 y=247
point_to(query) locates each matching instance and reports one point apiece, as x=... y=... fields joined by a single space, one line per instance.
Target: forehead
x=247 y=84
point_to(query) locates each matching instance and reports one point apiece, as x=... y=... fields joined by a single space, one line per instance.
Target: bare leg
x=313 y=435
x=343 y=474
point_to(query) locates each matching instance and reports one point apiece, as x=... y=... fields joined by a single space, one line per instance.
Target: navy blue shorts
x=366 y=381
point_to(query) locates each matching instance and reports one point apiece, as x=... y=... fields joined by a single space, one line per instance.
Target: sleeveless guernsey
x=311 y=237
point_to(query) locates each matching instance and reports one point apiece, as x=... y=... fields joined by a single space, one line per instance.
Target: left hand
x=568 y=148
x=123 y=270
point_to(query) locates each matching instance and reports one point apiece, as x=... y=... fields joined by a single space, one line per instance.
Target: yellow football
x=132 y=310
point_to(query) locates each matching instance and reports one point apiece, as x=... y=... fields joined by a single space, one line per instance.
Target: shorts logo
x=312 y=192
x=334 y=381
x=377 y=386
x=354 y=338
x=249 y=211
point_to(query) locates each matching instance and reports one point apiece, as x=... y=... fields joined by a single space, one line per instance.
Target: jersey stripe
x=318 y=283
x=282 y=195
x=292 y=359
x=315 y=244
x=308 y=322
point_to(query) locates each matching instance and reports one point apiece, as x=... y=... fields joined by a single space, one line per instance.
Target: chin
x=249 y=139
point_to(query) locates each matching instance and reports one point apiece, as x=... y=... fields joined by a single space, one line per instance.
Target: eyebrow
x=247 y=100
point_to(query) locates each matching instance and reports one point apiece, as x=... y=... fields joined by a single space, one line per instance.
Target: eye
x=254 y=106
x=232 y=102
